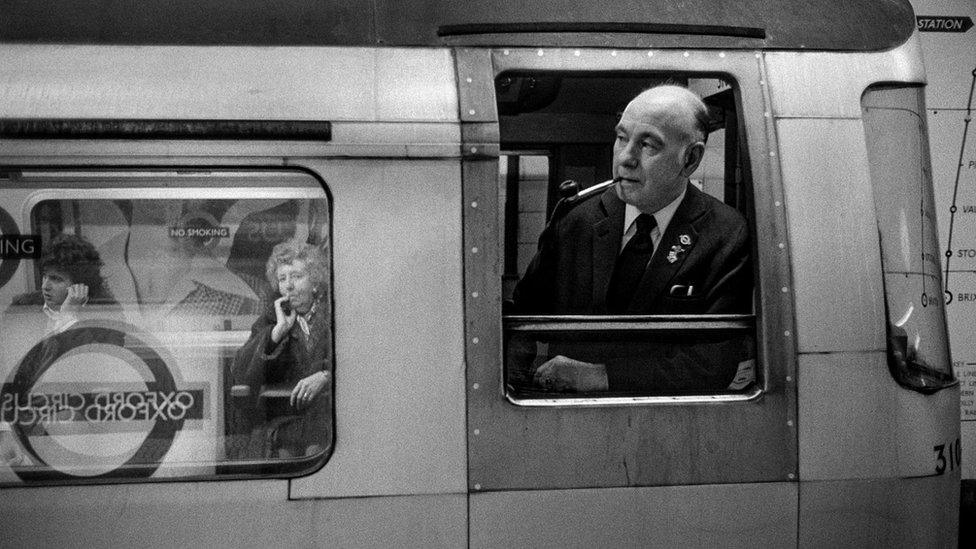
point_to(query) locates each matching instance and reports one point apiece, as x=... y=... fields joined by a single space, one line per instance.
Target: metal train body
x=411 y=136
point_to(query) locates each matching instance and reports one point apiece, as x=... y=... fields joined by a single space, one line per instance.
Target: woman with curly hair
x=291 y=346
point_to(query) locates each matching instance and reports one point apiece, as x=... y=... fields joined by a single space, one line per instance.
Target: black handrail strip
x=106 y=128
x=616 y=28
x=605 y=323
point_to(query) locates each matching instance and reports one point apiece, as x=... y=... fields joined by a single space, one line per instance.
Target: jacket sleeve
x=707 y=366
x=731 y=292
x=258 y=355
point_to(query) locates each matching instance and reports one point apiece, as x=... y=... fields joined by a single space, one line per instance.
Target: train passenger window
x=599 y=299
x=898 y=156
x=171 y=324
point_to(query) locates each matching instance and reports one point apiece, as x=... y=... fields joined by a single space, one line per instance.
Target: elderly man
x=652 y=243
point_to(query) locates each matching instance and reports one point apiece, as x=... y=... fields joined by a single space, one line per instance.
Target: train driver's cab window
x=901 y=179
x=168 y=324
x=628 y=236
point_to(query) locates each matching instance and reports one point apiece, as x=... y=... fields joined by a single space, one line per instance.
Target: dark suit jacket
x=260 y=362
x=571 y=272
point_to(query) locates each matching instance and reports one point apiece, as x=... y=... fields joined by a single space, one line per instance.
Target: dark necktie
x=631 y=264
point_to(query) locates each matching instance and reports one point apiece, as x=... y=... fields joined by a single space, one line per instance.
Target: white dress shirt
x=58 y=321
x=662 y=217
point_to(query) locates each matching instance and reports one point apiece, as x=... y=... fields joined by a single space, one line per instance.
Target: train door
x=615 y=457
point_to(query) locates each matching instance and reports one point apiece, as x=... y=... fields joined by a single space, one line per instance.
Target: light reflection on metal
x=901 y=321
x=611 y=401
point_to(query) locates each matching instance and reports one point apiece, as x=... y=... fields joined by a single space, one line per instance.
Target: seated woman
x=291 y=346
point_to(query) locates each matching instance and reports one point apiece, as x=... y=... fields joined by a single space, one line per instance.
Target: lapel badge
x=674 y=252
x=685 y=240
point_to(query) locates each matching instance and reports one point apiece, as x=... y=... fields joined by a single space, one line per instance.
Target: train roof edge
x=820 y=25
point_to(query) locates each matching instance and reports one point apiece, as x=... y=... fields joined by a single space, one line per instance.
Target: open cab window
x=689 y=329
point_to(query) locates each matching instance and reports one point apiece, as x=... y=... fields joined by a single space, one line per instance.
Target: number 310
x=950 y=456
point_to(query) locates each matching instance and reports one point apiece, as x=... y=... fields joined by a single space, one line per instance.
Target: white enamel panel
x=834 y=236
x=734 y=515
x=415 y=84
x=908 y=512
x=848 y=416
x=821 y=84
x=924 y=422
x=224 y=514
x=855 y=422
x=195 y=82
x=400 y=412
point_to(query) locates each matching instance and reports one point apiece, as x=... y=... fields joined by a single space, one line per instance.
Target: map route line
x=955 y=186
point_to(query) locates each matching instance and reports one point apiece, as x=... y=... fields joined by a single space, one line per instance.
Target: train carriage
x=420 y=148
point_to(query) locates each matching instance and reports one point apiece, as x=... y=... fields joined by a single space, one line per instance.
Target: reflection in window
x=289 y=355
x=137 y=342
x=609 y=258
x=901 y=176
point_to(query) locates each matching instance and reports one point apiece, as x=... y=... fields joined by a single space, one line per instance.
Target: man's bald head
x=690 y=112
x=659 y=144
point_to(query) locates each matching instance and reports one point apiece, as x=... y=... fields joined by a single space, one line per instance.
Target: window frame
x=732 y=160
x=543 y=447
x=918 y=373
x=103 y=181
x=651 y=324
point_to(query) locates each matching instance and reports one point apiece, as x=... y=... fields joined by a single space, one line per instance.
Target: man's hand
x=567 y=375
